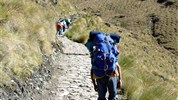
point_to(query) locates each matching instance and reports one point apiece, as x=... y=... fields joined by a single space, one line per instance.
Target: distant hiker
x=64 y=25
x=68 y=23
x=59 y=27
x=105 y=71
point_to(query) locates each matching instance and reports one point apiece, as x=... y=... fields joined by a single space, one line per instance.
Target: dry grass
x=149 y=70
x=148 y=73
x=81 y=28
x=26 y=30
x=135 y=15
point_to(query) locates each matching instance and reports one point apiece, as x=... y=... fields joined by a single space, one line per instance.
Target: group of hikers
x=105 y=70
x=62 y=25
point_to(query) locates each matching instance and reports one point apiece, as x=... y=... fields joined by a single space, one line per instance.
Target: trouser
x=59 y=31
x=64 y=28
x=105 y=83
x=68 y=25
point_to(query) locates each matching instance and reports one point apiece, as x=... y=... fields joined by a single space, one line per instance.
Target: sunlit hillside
x=27 y=30
x=149 y=62
x=150 y=69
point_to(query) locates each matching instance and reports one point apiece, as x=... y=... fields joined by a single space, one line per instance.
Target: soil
x=156 y=17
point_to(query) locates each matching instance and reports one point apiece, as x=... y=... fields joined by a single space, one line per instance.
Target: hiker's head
x=60 y=19
x=116 y=37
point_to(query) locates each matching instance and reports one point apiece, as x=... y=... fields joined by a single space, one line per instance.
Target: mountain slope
x=27 y=30
x=149 y=16
x=149 y=67
x=148 y=44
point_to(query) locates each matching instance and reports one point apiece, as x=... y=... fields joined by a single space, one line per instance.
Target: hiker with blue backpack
x=105 y=71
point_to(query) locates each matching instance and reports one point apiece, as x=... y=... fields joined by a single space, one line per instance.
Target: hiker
x=59 y=27
x=68 y=23
x=105 y=72
x=64 y=25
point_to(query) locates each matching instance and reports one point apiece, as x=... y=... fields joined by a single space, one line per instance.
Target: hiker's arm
x=93 y=80
x=120 y=75
x=119 y=71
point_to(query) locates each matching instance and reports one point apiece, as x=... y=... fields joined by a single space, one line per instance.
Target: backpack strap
x=107 y=44
x=105 y=64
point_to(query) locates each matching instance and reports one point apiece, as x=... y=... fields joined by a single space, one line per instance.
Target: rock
x=108 y=24
x=161 y=1
x=69 y=49
x=166 y=2
x=119 y=16
x=169 y=2
x=54 y=2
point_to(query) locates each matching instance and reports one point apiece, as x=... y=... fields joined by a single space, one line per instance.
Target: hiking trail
x=71 y=76
x=71 y=72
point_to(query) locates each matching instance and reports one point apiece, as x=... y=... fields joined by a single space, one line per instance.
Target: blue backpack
x=104 y=54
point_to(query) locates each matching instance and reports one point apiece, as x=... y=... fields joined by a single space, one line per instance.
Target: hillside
x=27 y=31
x=154 y=17
x=148 y=46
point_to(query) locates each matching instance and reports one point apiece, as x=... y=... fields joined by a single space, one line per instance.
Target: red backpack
x=58 y=25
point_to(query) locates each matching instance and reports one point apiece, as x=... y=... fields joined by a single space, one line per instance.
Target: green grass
x=82 y=26
x=79 y=30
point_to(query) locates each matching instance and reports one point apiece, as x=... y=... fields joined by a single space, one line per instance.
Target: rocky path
x=71 y=76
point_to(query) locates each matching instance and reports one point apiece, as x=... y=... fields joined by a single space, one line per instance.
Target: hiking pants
x=105 y=83
x=68 y=25
x=59 y=31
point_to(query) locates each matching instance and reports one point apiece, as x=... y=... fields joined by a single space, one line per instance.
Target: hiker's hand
x=95 y=87
x=119 y=84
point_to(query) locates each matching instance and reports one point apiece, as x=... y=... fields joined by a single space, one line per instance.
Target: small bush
x=81 y=38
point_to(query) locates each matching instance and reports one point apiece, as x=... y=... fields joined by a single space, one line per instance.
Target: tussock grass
x=140 y=84
x=138 y=66
x=26 y=30
x=82 y=26
x=146 y=75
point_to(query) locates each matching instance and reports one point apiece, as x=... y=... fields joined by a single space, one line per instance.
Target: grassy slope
x=27 y=30
x=149 y=71
x=145 y=72
x=81 y=28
